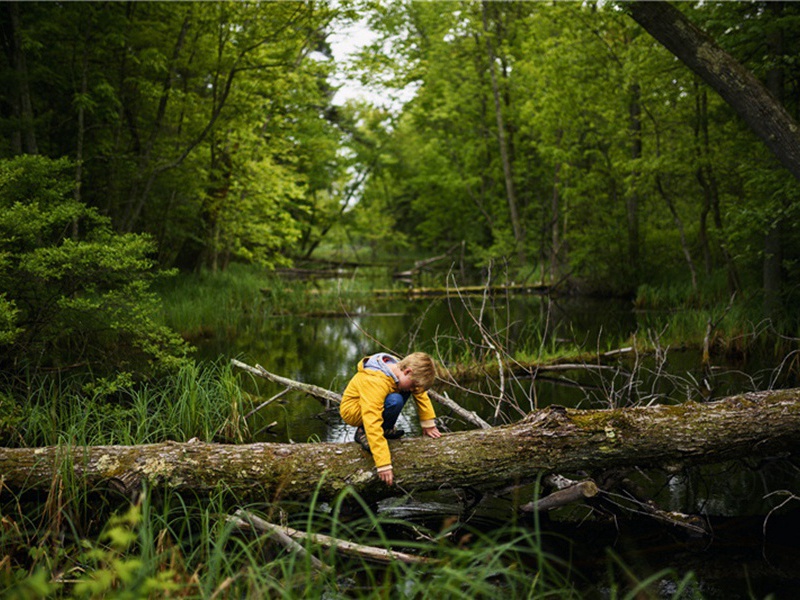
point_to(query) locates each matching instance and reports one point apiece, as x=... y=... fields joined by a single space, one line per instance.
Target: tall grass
x=196 y=304
x=730 y=324
x=199 y=400
x=74 y=542
x=243 y=297
x=168 y=545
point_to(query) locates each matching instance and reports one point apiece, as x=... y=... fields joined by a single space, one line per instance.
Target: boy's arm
x=425 y=412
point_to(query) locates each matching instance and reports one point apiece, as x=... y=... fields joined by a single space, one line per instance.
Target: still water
x=324 y=351
x=734 y=498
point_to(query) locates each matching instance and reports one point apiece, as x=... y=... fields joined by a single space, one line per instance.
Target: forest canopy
x=560 y=138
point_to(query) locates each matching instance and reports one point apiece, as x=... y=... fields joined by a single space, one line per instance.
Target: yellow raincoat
x=362 y=404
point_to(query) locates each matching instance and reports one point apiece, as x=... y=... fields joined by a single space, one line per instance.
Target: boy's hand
x=386 y=476
x=431 y=432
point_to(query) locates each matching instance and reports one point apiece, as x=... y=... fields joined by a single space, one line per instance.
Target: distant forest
x=560 y=138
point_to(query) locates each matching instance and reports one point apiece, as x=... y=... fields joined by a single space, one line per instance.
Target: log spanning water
x=552 y=440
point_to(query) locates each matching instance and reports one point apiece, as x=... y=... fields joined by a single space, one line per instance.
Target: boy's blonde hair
x=423 y=369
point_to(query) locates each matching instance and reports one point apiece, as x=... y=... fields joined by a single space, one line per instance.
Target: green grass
x=77 y=543
x=168 y=545
x=74 y=542
x=244 y=297
x=199 y=400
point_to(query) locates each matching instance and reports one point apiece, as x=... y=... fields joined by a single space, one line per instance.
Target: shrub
x=75 y=294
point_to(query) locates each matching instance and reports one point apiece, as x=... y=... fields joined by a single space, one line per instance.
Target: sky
x=345 y=41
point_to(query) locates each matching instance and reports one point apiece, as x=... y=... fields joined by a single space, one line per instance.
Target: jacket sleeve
x=373 y=395
x=425 y=410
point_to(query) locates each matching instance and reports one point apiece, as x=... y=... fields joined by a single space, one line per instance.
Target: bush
x=75 y=294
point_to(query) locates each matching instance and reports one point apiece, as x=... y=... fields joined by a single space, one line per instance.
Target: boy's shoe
x=361 y=438
x=393 y=433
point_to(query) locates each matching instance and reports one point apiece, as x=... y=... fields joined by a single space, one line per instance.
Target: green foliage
x=628 y=170
x=207 y=125
x=196 y=401
x=74 y=292
x=211 y=127
x=113 y=569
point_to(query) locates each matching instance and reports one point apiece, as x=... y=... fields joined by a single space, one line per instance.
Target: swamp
x=585 y=212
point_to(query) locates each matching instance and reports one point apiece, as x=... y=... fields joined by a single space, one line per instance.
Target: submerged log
x=553 y=440
x=469 y=290
x=578 y=491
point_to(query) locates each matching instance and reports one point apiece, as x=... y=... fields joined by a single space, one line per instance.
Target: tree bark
x=23 y=136
x=505 y=156
x=742 y=90
x=773 y=239
x=632 y=201
x=547 y=441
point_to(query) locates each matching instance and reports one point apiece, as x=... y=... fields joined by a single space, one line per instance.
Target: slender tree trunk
x=142 y=193
x=701 y=134
x=773 y=245
x=555 y=223
x=23 y=137
x=632 y=204
x=687 y=254
x=81 y=133
x=711 y=203
x=511 y=196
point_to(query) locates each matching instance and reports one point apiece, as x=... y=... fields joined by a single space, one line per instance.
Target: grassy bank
x=242 y=296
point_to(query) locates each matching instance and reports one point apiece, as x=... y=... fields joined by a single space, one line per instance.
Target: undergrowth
x=168 y=545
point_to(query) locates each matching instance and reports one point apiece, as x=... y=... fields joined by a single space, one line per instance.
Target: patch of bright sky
x=346 y=40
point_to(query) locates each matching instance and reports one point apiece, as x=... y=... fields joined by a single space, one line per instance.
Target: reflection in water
x=324 y=351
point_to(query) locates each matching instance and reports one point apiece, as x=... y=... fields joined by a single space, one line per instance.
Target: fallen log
x=245 y=520
x=286 y=535
x=552 y=440
x=578 y=491
x=447 y=292
x=326 y=396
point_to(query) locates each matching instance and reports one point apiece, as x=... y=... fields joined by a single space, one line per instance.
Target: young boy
x=375 y=396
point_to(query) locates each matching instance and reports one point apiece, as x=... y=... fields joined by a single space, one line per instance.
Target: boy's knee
x=394 y=400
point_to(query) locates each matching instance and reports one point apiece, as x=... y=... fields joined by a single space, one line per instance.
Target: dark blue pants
x=392 y=407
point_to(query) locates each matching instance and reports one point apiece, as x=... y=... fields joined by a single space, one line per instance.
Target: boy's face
x=404 y=381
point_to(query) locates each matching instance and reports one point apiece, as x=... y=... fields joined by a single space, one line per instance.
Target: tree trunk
x=511 y=195
x=23 y=137
x=742 y=90
x=773 y=239
x=555 y=223
x=632 y=203
x=551 y=440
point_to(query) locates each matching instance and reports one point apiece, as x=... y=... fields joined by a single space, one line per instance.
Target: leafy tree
x=202 y=124
x=75 y=295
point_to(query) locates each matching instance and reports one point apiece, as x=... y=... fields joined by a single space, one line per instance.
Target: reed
x=242 y=298
x=172 y=545
x=201 y=400
x=73 y=542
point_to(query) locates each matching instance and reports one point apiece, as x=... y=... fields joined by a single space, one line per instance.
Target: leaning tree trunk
x=742 y=90
x=547 y=441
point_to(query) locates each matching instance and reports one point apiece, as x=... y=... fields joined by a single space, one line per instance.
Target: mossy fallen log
x=464 y=291
x=553 y=440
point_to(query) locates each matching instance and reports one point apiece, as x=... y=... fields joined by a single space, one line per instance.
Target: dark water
x=743 y=558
